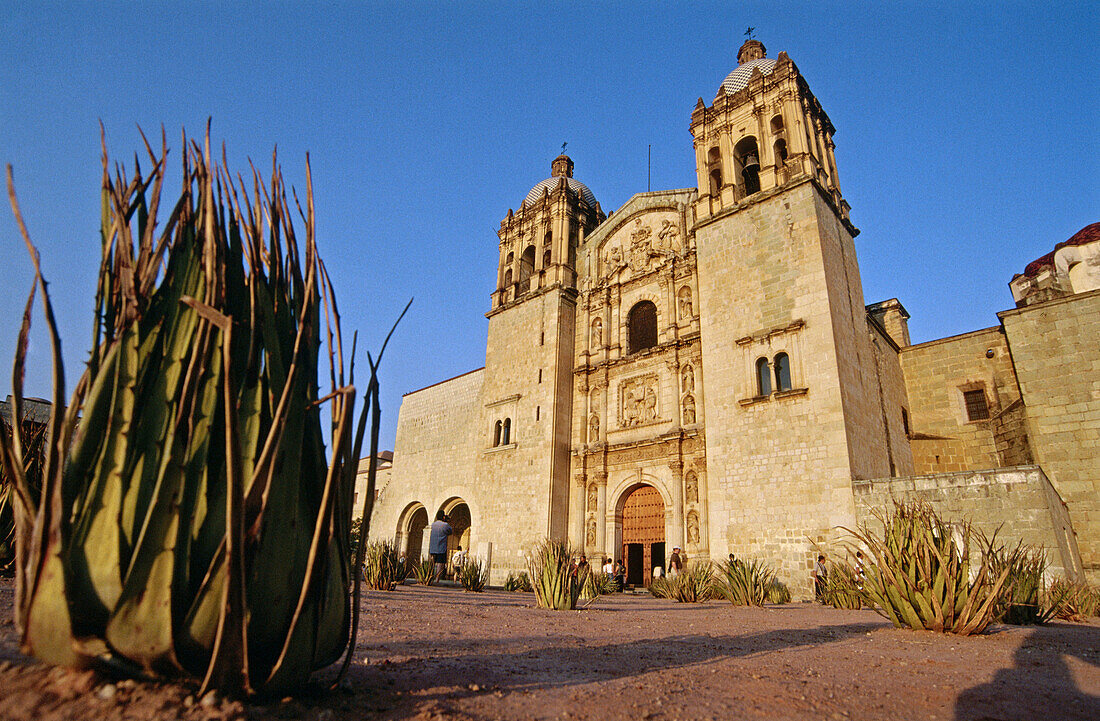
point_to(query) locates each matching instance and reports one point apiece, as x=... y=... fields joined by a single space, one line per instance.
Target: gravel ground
x=439 y=653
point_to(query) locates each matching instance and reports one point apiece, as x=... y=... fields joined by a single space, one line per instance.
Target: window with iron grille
x=976 y=407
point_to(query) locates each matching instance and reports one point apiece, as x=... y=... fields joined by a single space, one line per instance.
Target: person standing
x=675 y=563
x=821 y=576
x=458 y=560
x=437 y=543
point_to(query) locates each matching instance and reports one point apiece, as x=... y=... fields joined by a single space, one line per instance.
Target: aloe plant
x=382 y=566
x=517 y=582
x=473 y=575
x=425 y=572
x=1073 y=601
x=597 y=584
x=694 y=584
x=920 y=573
x=842 y=587
x=550 y=567
x=777 y=592
x=745 y=583
x=191 y=523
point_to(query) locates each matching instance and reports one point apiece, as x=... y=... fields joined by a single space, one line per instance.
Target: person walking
x=437 y=543
x=458 y=560
x=675 y=563
x=821 y=576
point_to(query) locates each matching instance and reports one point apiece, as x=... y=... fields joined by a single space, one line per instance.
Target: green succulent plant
x=193 y=524
x=745 y=583
x=382 y=566
x=473 y=575
x=550 y=567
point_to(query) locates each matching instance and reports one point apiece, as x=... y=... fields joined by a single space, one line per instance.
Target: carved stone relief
x=684 y=298
x=638 y=399
x=689 y=410
x=687 y=379
x=597 y=333
x=691 y=488
x=593 y=497
x=692 y=527
x=643 y=245
x=593 y=428
x=590 y=534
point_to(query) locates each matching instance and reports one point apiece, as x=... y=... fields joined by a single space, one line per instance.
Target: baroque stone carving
x=590 y=534
x=684 y=297
x=638 y=398
x=689 y=410
x=691 y=488
x=597 y=333
x=593 y=497
x=692 y=527
x=593 y=428
x=687 y=378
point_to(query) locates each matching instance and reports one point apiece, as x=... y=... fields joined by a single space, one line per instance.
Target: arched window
x=781 y=153
x=496 y=435
x=782 y=372
x=526 y=268
x=714 y=167
x=508 y=278
x=642 y=326
x=777 y=124
x=546 y=258
x=763 y=378
x=506 y=432
x=748 y=158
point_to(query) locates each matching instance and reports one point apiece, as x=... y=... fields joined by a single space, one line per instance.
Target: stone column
x=601 y=512
x=676 y=522
x=576 y=512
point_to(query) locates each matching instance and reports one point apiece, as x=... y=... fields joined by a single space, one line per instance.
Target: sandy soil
x=439 y=653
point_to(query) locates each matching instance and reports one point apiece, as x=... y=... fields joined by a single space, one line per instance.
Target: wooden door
x=643 y=527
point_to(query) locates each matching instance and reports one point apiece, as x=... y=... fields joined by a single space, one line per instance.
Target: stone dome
x=561 y=167
x=739 y=78
x=752 y=55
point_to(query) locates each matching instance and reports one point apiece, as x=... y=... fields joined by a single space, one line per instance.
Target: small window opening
x=508 y=278
x=506 y=432
x=540 y=375
x=905 y=421
x=496 y=434
x=526 y=268
x=782 y=372
x=642 y=326
x=542 y=337
x=546 y=259
x=763 y=378
x=537 y=412
x=714 y=166
x=777 y=124
x=781 y=153
x=977 y=409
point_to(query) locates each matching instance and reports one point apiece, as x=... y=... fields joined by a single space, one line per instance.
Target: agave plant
x=191 y=523
x=694 y=584
x=517 y=582
x=777 y=592
x=382 y=566
x=745 y=584
x=842 y=587
x=1077 y=601
x=660 y=587
x=425 y=572
x=550 y=567
x=34 y=436
x=919 y=573
x=1022 y=601
x=597 y=584
x=473 y=575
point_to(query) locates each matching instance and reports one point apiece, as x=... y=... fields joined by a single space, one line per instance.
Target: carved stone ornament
x=684 y=298
x=691 y=488
x=638 y=401
x=692 y=527
x=687 y=379
x=593 y=428
x=593 y=497
x=597 y=333
x=590 y=534
x=689 y=410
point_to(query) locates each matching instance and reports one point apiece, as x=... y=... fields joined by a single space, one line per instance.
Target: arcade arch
x=411 y=532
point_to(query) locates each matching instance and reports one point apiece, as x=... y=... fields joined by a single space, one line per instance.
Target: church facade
x=697 y=370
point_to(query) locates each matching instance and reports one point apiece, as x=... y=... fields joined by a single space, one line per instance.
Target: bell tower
x=763 y=130
x=793 y=408
x=524 y=433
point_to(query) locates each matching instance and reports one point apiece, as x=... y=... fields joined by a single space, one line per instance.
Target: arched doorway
x=410 y=533
x=458 y=515
x=643 y=534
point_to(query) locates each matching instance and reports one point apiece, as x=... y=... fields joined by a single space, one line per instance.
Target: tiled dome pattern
x=739 y=78
x=550 y=183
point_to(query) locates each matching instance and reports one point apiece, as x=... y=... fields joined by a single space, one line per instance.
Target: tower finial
x=563 y=147
x=750 y=33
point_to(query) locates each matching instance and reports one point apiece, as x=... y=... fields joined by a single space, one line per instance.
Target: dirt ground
x=440 y=653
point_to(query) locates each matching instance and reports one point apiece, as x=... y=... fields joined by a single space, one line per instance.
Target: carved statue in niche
x=687 y=376
x=649 y=413
x=613 y=260
x=692 y=527
x=685 y=303
x=590 y=534
x=597 y=333
x=593 y=497
x=593 y=428
x=669 y=236
x=691 y=488
x=689 y=410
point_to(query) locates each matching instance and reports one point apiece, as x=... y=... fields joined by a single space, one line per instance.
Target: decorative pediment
x=641 y=244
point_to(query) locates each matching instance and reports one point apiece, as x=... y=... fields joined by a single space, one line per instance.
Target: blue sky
x=966 y=138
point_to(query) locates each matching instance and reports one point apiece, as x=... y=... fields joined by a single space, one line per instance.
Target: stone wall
x=1055 y=350
x=1019 y=504
x=937 y=374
